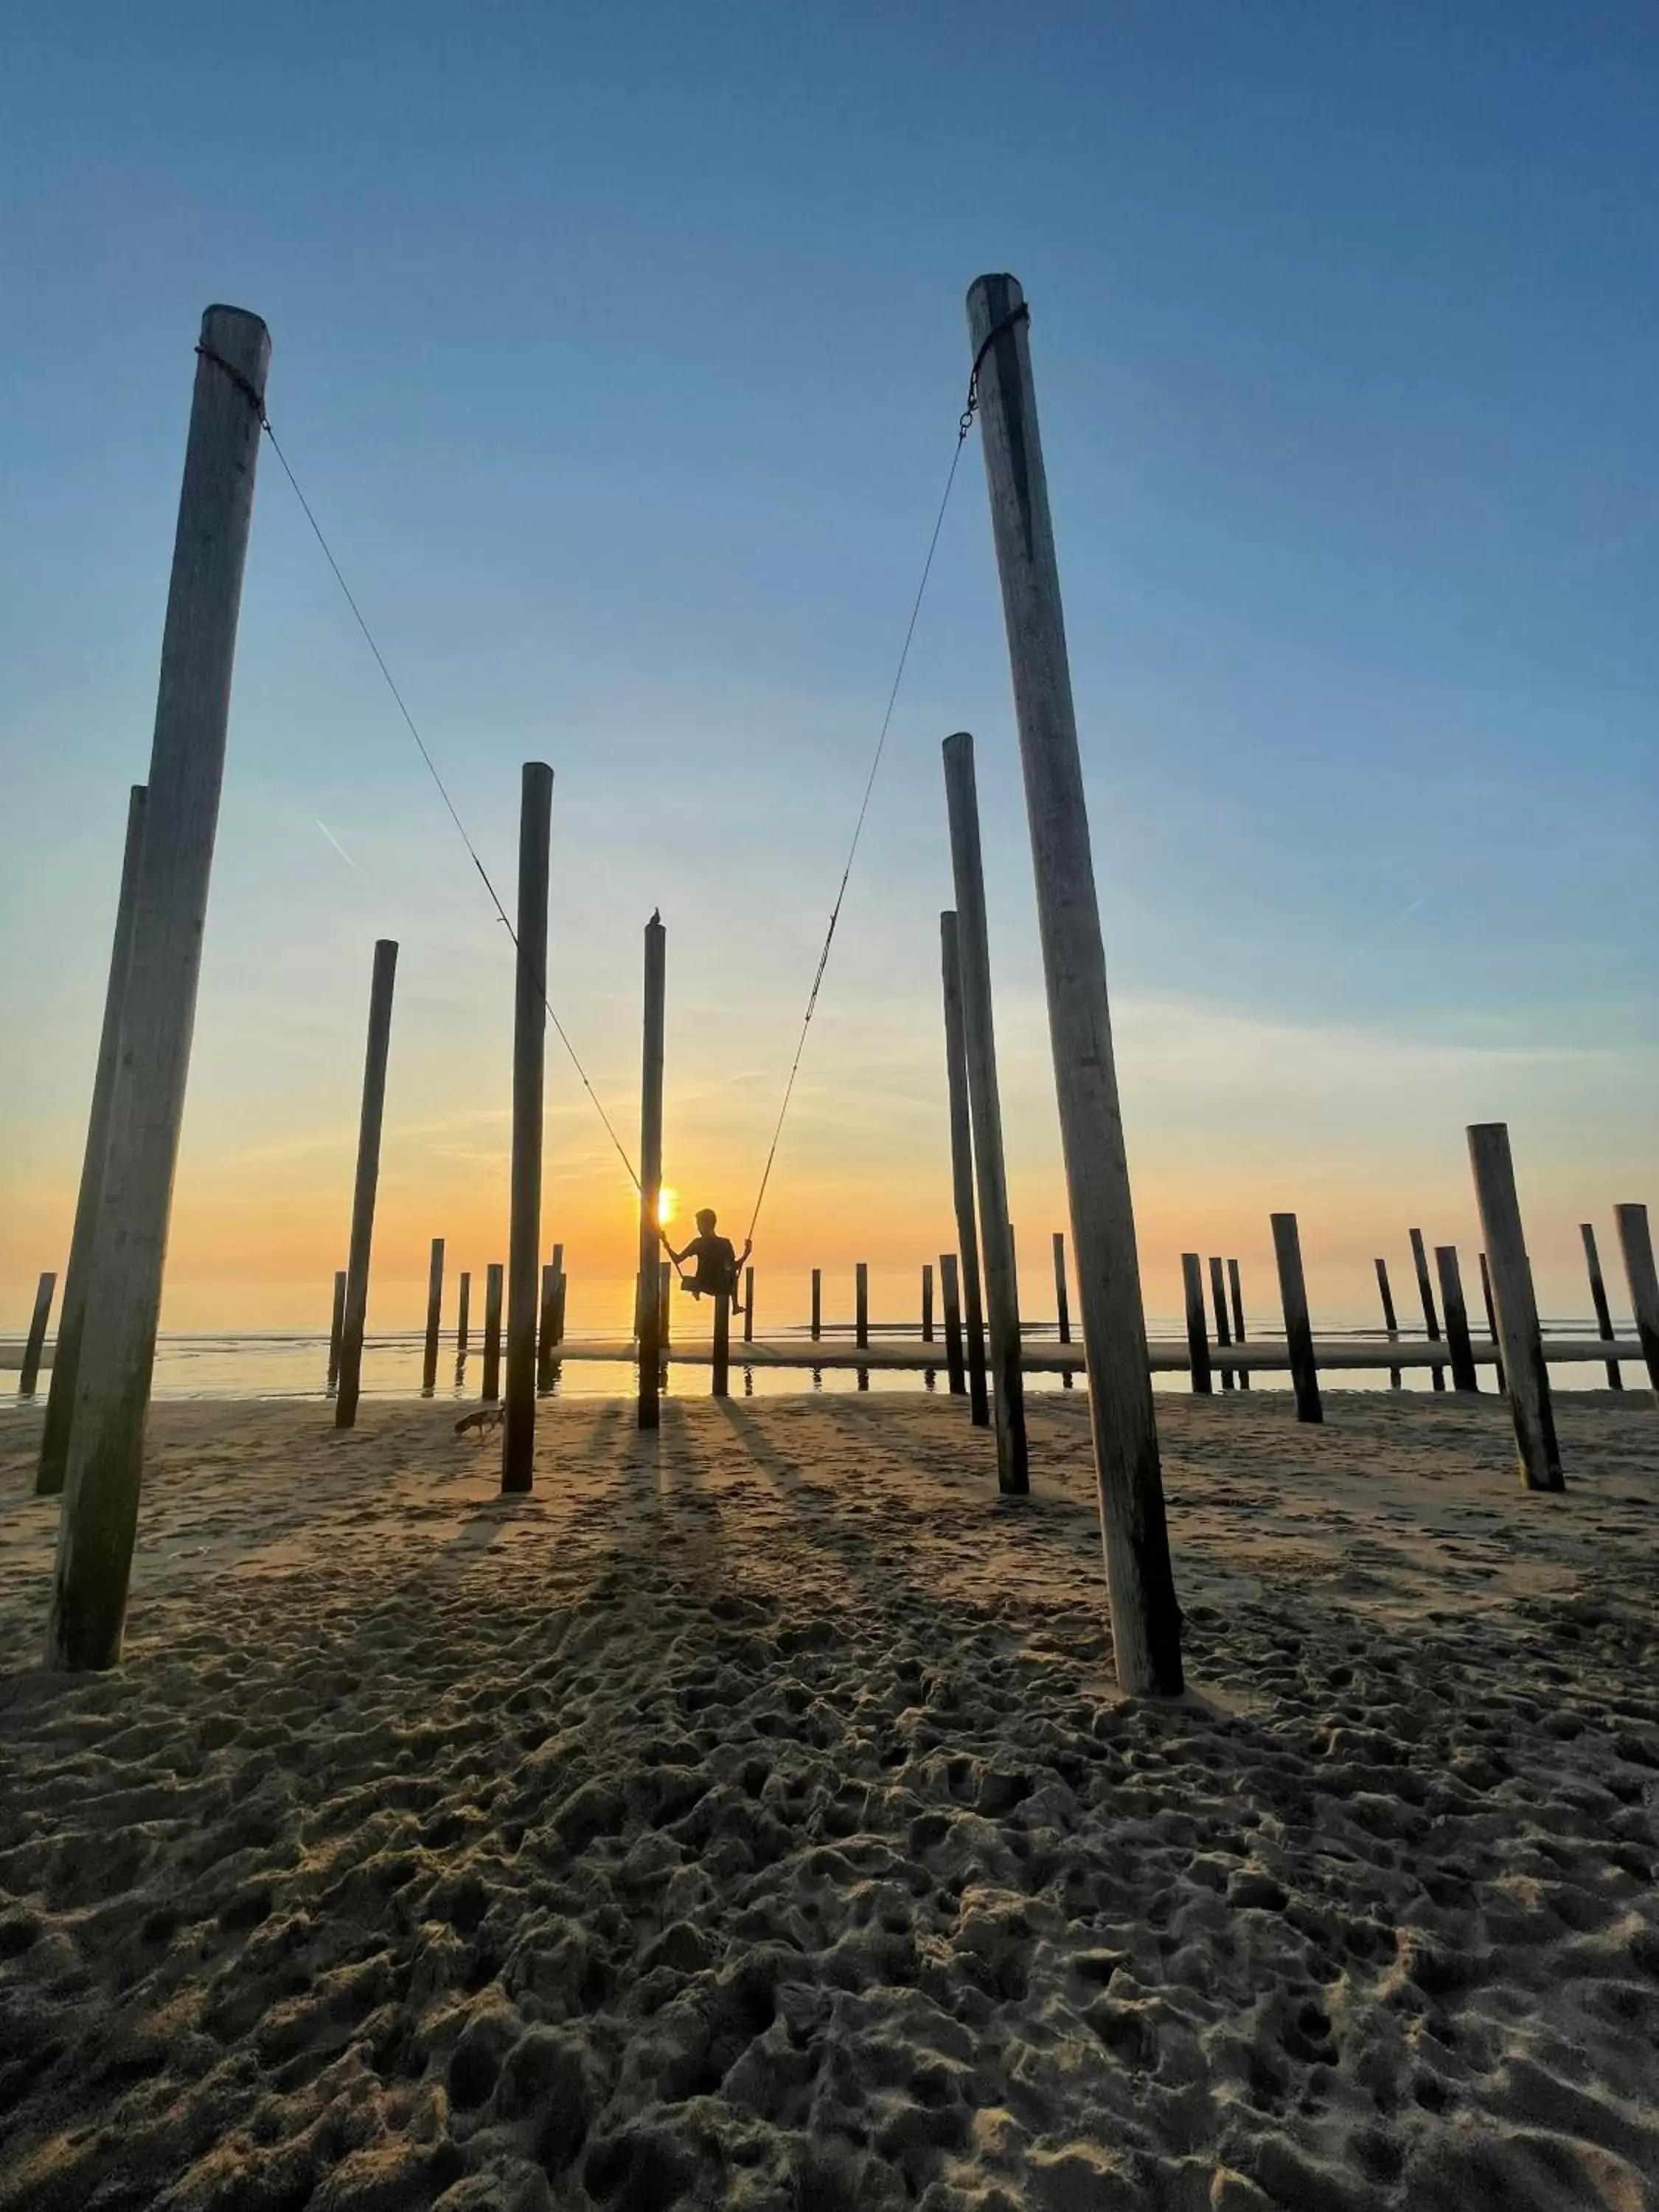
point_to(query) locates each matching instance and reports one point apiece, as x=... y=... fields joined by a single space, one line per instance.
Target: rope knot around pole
x=1014 y=316
x=255 y=399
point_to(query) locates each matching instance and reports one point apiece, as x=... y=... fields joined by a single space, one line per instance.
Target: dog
x=484 y=1418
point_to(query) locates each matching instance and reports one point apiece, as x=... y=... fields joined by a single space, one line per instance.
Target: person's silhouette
x=717 y=1263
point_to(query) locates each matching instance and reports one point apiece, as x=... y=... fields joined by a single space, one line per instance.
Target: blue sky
x=620 y=352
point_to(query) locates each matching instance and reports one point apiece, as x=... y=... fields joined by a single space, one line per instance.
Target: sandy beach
x=748 y=1819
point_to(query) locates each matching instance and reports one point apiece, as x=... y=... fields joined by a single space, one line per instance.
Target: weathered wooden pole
x=1492 y=1322
x=985 y=1107
x=71 y=1312
x=1198 y=1342
x=34 y=1344
x=337 y=1328
x=1426 y=1290
x=544 y=1335
x=862 y=1305
x=1635 y=1242
x=1062 y=1295
x=127 y=1254
x=491 y=1389
x=926 y=1301
x=1390 y=1321
x=1299 y=1331
x=559 y=1285
x=1145 y=1616
x=950 y=1294
x=435 y=1306
x=1525 y=1378
x=1223 y=1334
x=720 y=1384
x=817 y=1303
x=1598 y=1300
x=962 y=1170
x=368 y=1176
x=463 y=1314
x=1235 y=1287
x=651 y=1069
x=524 y=1249
x=749 y=1305
x=1464 y=1376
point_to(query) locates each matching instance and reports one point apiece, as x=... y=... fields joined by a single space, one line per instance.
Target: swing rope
x=1019 y=315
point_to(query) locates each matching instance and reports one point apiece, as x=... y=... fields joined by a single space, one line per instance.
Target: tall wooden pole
x=949 y=1295
x=862 y=1305
x=651 y=1067
x=985 y=1107
x=1491 y=1324
x=1635 y=1242
x=545 y=1338
x=720 y=1381
x=1426 y=1290
x=490 y=1388
x=187 y=768
x=34 y=1344
x=1298 y=1330
x=926 y=1301
x=1223 y=1334
x=817 y=1303
x=1525 y=1378
x=524 y=1250
x=1598 y=1300
x=962 y=1170
x=1236 y=1289
x=435 y=1307
x=368 y=1175
x=1197 y=1341
x=1145 y=1616
x=749 y=1305
x=71 y=1313
x=561 y=1285
x=336 y=1329
x=1464 y=1376
x=1390 y=1321
x=1062 y=1295
x=463 y=1314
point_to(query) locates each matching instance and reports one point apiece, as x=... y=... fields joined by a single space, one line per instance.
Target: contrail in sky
x=340 y=848
x=1404 y=914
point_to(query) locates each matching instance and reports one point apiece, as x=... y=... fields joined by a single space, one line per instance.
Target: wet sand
x=748 y=1819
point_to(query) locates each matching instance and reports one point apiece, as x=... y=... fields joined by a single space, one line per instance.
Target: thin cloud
x=338 y=847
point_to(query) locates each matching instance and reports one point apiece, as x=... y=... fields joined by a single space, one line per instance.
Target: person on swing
x=717 y=1263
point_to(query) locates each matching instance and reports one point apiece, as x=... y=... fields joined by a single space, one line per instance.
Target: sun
x=665 y=1199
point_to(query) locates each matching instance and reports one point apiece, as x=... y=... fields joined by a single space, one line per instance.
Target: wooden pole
x=817 y=1303
x=492 y=1338
x=560 y=1291
x=1464 y=1376
x=1525 y=1378
x=926 y=1301
x=368 y=1176
x=1235 y=1287
x=127 y=1254
x=862 y=1305
x=961 y=1169
x=35 y=1344
x=1420 y=1261
x=1062 y=1297
x=545 y=1338
x=1635 y=1242
x=749 y=1305
x=1222 y=1334
x=337 y=1328
x=1492 y=1322
x=435 y=1306
x=720 y=1380
x=524 y=1250
x=71 y=1313
x=1390 y=1322
x=1198 y=1342
x=949 y=1295
x=1298 y=1332
x=651 y=1070
x=1145 y=1616
x=1598 y=1300
x=463 y=1308
x=985 y=1107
